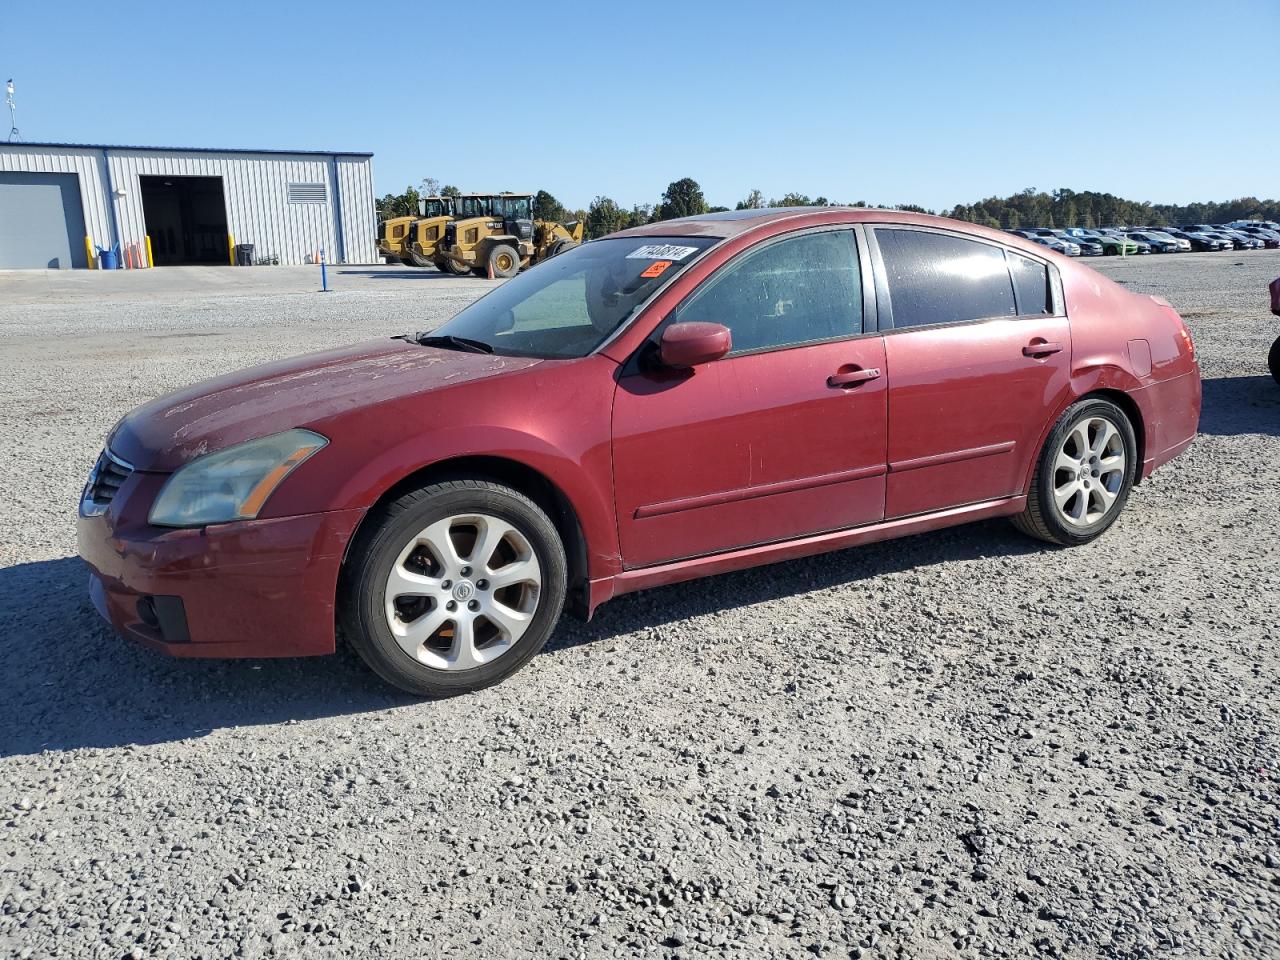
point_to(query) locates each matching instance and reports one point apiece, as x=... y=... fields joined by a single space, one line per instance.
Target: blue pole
x=324 y=274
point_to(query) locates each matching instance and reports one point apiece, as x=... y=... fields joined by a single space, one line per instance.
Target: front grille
x=105 y=481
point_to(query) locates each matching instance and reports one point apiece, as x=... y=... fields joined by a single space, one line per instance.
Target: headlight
x=234 y=483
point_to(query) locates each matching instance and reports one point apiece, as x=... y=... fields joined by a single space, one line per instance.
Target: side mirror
x=689 y=344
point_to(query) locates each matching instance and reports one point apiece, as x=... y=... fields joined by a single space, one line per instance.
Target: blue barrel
x=108 y=259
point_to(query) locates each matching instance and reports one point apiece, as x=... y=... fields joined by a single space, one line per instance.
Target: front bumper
x=259 y=588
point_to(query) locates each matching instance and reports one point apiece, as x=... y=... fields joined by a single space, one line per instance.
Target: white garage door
x=41 y=221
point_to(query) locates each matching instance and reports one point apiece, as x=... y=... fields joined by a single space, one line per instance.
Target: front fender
x=583 y=479
x=552 y=418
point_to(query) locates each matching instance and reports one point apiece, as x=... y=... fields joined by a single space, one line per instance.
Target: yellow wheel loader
x=426 y=232
x=498 y=235
x=393 y=237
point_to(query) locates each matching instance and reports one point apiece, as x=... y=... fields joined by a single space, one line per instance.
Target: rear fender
x=1112 y=382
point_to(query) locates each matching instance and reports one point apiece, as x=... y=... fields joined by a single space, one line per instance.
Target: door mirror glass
x=689 y=344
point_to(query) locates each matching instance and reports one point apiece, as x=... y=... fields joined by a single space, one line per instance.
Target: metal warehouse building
x=193 y=204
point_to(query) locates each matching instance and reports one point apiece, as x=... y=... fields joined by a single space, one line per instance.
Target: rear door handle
x=853 y=377
x=1041 y=349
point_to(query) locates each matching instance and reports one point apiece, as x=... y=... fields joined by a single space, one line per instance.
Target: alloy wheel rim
x=463 y=591
x=1089 y=471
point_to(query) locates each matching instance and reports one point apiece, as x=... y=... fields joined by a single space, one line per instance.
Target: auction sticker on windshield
x=661 y=251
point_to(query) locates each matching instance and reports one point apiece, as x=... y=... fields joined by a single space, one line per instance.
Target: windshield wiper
x=454 y=343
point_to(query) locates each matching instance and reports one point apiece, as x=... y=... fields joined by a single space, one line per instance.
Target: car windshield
x=567 y=306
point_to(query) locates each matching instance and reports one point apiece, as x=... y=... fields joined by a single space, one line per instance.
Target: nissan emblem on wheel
x=672 y=401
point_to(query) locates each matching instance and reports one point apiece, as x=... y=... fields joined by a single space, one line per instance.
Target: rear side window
x=1031 y=285
x=802 y=289
x=935 y=278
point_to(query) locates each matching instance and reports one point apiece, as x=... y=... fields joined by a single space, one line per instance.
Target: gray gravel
x=963 y=743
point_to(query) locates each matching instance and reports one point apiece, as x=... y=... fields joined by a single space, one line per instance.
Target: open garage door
x=41 y=221
x=186 y=219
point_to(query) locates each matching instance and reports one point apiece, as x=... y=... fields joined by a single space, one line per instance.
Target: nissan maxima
x=673 y=401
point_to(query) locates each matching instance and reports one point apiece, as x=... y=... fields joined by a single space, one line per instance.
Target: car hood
x=172 y=430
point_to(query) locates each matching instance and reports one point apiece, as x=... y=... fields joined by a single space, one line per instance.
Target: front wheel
x=504 y=260
x=454 y=588
x=1273 y=360
x=1083 y=476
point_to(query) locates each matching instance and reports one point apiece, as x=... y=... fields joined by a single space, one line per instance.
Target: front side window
x=937 y=278
x=568 y=305
x=798 y=290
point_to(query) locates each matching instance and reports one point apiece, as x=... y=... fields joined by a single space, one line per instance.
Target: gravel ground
x=963 y=743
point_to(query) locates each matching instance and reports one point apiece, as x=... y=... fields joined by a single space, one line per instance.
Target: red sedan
x=678 y=400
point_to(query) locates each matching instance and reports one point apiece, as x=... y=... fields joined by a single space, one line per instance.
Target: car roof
x=732 y=223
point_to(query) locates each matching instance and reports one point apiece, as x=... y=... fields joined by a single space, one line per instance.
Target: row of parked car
x=1115 y=241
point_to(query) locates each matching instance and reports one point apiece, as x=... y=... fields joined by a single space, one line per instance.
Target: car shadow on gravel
x=68 y=682
x=1236 y=405
x=664 y=605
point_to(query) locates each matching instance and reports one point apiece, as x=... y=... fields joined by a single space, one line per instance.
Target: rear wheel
x=418 y=259
x=455 y=589
x=406 y=261
x=504 y=260
x=1083 y=476
x=1273 y=360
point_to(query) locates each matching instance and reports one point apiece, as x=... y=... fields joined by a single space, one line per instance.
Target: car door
x=978 y=354
x=784 y=436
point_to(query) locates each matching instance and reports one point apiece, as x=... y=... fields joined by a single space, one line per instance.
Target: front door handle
x=1041 y=348
x=853 y=377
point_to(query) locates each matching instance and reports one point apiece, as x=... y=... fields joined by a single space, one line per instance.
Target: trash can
x=109 y=259
x=244 y=254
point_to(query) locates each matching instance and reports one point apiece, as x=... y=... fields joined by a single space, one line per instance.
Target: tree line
x=1027 y=208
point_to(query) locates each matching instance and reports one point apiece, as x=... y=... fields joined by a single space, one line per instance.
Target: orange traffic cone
x=490 y=269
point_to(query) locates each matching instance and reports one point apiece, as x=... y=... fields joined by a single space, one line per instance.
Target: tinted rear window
x=935 y=278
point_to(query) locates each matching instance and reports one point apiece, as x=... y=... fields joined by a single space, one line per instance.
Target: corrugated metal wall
x=255 y=186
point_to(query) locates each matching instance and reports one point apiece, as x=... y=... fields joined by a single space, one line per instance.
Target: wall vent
x=306 y=193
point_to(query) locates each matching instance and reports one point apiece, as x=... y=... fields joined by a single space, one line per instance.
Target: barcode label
x=661 y=251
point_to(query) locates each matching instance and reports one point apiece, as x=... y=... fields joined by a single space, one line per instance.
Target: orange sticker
x=656 y=268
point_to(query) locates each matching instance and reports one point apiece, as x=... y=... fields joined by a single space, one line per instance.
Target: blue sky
x=931 y=103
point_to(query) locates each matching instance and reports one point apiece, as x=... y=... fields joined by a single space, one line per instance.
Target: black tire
x=560 y=246
x=1273 y=360
x=390 y=260
x=362 y=592
x=445 y=265
x=406 y=261
x=1040 y=518
x=417 y=259
x=504 y=260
